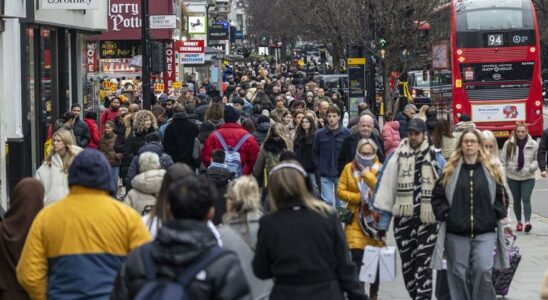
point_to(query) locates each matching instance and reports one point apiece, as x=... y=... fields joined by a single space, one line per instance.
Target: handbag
x=345 y=215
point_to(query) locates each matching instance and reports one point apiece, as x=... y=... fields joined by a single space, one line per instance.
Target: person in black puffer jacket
x=180 y=242
x=261 y=129
x=304 y=140
x=179 y=137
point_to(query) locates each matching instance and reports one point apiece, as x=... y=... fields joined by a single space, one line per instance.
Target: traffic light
x=157 y=55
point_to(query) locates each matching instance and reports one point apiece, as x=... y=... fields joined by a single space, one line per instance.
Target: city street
x=534 y=263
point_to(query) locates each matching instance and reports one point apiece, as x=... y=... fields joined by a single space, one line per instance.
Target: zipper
x=472 y=203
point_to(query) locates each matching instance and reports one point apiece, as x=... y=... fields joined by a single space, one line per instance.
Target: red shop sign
x=193 y=46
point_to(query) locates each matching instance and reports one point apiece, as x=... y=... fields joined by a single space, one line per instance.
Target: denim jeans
x=328 y=191
x=521 y=192
x=115 y=171
x=314 y=182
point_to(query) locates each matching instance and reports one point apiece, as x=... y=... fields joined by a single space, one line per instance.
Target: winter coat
x=131 y=146
x=81 y=133
x=106 y=145
x=326 y=149
x=277 y=114
x=179 y=243
x=205 y=130
x=542 y=151
x=303 y=149
x=94 y=132
x=107 y=115
x=232 y=133
x=145 y=188
x=348 y=191
x=403 y=119
x=269 y=157
x=530 y=166
x=220 y=177
x=391 y=136
x=306 y=254
x=449 y=144
x=179 y=138
x=165 y=160
x=240 y=236
x=261 y=131
x=348 y=150
x=75 y=247
x=55 y=181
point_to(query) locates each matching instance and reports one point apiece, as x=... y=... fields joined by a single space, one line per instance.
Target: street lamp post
x=145 y=33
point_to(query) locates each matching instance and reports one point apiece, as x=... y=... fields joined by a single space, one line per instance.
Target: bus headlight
x=537 y=103
x=458 y=106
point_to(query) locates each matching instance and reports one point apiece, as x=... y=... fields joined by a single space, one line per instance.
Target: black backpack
x=160 y=288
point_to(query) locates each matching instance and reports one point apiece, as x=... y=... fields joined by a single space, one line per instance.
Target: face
x=148 y=122
x=365 y=127
x=333 y=119
x=410 y=113
x=470 y=144
x=109 y=129
x=58 y=144
x=115 y=103
x=489 y=145
x=309 y=98
x=76 y=110
x=305 y=123
x=298 y=119
x=288 y=119
x=324 y=106
x=415 y=138
x=169 y=105
x=367 y=150
x=316 y=89
x=276 y=89
x=299 y=108
x=279 y=103
x=202 y=90
x=521 y=132
x=321 y=93
x=335 y=98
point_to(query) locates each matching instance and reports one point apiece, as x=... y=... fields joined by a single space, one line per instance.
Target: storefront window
x=46 y=84
x=31 y=91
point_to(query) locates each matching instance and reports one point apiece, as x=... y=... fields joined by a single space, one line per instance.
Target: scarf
x=521 y=157
x=407 y=160
x=361 y=162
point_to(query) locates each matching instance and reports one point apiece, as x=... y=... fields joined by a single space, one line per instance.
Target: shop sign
x=177 y=85
x=69 y=4
x=169 y=73
x=91 y=57
x=197 y=25
x=192 y=58
x=158 y=87
x=163 y=22
x=118 y=49
x=110 y=85
x=192 y=46
x=124 y=16
x=218 y=32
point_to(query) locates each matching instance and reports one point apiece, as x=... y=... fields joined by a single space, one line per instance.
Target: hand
x=543 y=174
x=365 y=171
x=508 y=231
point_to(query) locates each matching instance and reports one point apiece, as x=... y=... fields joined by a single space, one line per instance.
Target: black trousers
x=416 y=242
x=357 y=256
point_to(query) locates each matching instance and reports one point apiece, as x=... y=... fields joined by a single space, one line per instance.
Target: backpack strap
x=150 y=266
x=242 y=141
x=221 y=140
x=200 y=264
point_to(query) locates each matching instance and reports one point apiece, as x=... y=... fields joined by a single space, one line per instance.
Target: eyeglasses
x=469 y=142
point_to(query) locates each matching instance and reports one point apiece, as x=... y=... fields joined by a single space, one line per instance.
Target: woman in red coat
x=91 y=120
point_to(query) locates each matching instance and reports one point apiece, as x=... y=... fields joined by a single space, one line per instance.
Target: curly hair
x=139 y=120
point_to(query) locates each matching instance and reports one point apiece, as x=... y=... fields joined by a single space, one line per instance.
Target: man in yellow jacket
x=75 y=247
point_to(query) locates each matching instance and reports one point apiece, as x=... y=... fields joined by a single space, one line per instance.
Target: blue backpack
x=160 y=288
x=232 y=157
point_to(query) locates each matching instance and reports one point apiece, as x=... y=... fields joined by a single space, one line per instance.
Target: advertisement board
x=197 y=25
x=191 y=46
x=66 y=4
x=504 y=112
x=192 y=58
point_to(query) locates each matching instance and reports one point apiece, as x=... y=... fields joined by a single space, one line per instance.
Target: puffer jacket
x=94 y=132
x=391 y=136
x=530 y=165
x=403 y=119
x=179 y=243
x=55 y=181
x=145 y=189
x=81 y=133
x=76 y=246
x=261 y=131
x=349 y=192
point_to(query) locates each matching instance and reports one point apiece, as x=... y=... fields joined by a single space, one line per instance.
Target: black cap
x=417 y=125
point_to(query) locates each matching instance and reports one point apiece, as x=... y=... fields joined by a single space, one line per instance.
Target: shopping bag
x=387 y=264
x=370 y=264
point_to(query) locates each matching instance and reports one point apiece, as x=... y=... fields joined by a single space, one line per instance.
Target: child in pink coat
x=390 y=134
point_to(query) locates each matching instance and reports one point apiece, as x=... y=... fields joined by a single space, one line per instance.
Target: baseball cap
x=417 y=125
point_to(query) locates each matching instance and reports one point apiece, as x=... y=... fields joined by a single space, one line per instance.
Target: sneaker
x=528 y=227
x=519 y=227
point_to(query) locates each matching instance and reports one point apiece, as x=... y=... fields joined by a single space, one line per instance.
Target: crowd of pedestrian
x=261 y=191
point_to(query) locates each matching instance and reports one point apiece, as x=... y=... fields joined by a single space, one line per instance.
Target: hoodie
x=165 y=159
x=391 y=136
x=221 y=177
x=145 y=189
x=261 y=131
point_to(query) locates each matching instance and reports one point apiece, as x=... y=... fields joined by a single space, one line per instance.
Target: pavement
x=534 y=262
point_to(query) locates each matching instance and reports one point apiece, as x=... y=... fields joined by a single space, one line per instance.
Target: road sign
x=163 y=22
x=356 y=61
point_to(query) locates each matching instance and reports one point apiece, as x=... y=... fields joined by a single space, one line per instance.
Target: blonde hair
x=488 y=135
x=288 y=184
x=279 y=130
x=67 y=138
x=364 y=142
x=512 y=147
x=422 y=112
x=483 y=157
x=245 y=197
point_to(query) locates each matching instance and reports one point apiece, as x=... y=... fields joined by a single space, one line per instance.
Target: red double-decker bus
x=495 y=63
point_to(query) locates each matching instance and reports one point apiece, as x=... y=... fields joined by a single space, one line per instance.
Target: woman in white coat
x=54 y=171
